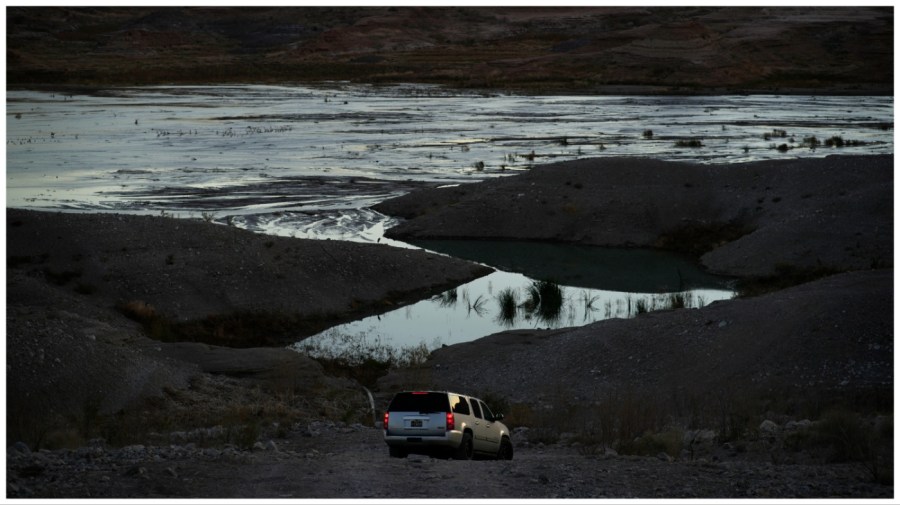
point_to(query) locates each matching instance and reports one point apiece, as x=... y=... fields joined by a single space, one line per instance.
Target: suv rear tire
x=466 y=448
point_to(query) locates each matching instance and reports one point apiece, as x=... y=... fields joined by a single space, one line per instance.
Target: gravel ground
x=336 y=460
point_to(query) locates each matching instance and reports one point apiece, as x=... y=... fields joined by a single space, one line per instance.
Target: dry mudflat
x=742 y=398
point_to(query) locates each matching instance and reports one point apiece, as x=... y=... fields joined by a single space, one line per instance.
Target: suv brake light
x=451 y=422
x=387 y=416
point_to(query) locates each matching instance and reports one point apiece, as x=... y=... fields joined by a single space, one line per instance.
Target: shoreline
x=608 y=90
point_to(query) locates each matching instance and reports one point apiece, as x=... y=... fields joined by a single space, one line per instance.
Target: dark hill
x=609 y=49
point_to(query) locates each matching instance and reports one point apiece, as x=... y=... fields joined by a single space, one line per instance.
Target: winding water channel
x=309 y=161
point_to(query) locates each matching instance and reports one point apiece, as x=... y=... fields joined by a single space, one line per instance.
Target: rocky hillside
x=608 y=49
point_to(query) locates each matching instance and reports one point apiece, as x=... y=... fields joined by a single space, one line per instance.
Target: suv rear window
x=420 y=402
x=460 y=404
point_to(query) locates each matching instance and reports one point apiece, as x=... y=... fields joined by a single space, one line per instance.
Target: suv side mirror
x=498 y=417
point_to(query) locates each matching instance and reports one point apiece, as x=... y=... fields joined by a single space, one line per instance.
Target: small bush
x=677 y=300
x=648 y=134
x=689 y=143
x=85 y=289
x=651 y=444
x=846 y=435
x=61 y=278
x=545 y=299
x=835 y=141
x=508 y=304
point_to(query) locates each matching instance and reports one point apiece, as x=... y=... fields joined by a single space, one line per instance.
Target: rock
x=769 y=427
x=136 y=471
x=664 y=457
x=271 y=446
x=798 y=425
x=20 y=448
x=258 y=446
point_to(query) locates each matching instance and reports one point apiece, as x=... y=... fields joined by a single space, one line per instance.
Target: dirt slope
x=73 y=355
x=743 y=219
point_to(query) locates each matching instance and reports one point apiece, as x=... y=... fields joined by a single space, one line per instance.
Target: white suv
x=453 y=424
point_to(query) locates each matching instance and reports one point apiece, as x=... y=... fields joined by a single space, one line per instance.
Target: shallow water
x=594 y=284
x=308 y=161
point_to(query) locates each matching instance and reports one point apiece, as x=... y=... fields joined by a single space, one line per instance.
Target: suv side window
x=487 y=412
x=476 y=409
x=459 y=404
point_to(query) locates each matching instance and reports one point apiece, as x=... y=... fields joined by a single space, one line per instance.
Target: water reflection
x=497 y=302
x=614 y=269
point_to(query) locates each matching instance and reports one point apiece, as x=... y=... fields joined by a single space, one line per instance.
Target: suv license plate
x=416 y=423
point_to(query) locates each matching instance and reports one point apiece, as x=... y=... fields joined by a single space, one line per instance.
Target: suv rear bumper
x=449 y=439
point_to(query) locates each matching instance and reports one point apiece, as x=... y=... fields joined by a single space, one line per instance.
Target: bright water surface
x=308 y=161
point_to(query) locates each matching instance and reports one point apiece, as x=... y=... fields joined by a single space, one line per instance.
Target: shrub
x=545 y=299
x=61 y=278
x=811 y=142
x=835 y=141
x=508 y=304
x=678 y=300
x=689 y=143
x=651 y=444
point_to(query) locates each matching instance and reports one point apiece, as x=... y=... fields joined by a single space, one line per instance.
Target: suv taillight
x=387 y=416
x=451 y=422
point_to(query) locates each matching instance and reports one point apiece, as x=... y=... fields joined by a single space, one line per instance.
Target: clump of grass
x=776 y=132
x=447 y=298
x=361 y=357
x=478 y=305
x=678 y=300
x=669 y=442
x=850 y=438
x=238 y=329
x=545 y=299
x=61 y=278
x=838 y=141
x=642 y=306
x=811 y=142
x=508 y=301
x=689 y=143
x=648 y=134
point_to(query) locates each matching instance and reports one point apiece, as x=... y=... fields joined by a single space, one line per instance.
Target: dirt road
x=326 y=460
